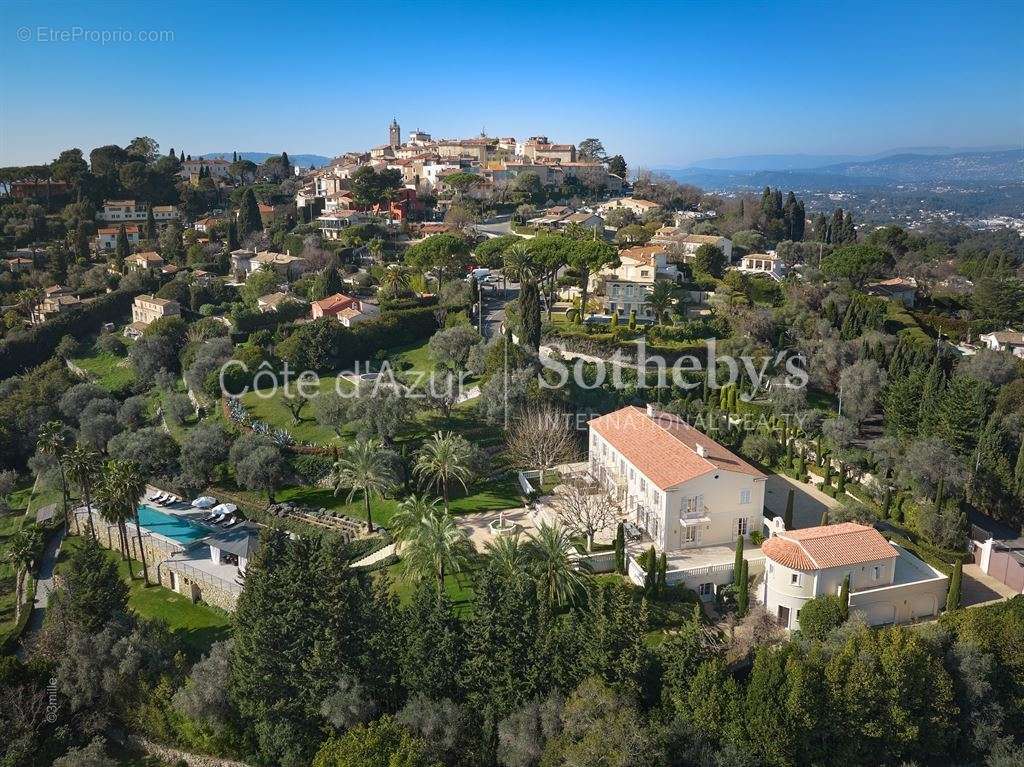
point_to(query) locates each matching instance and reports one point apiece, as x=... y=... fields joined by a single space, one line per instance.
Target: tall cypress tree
x=844 y=596
x=737 y=570
x=529 y=310
x=121 y=248
x=955 y=579
x=150 y=225
x=743 y=594
x=232 y=235
x=81 y=242
x=249 y=220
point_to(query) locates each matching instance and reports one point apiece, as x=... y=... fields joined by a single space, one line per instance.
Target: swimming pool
x=170 y=526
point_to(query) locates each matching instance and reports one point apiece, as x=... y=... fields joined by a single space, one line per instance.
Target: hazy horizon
x=757 y=80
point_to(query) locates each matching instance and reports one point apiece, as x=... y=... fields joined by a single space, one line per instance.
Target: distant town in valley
x=539 y=444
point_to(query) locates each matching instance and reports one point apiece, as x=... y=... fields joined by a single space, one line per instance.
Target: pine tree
x=150 y=225
x=326 y=283
x=931 y=397
x=849 y=230
x=787 y=518
x=955 y=579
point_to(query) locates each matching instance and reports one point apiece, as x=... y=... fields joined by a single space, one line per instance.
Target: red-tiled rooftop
x=814 y=548
x=663 y=447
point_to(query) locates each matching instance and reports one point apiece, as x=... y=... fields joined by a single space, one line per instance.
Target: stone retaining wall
x=170 y=755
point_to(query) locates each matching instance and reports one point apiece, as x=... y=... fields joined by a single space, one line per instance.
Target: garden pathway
x=44 y=586
x=375 y=557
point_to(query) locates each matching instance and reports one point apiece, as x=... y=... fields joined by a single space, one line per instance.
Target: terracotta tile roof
x=645 y=253
x=336 y=303
x=787 y=553
x=665 y=448
x=816 y=548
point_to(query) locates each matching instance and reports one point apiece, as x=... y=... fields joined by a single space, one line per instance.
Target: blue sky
x=663 y=84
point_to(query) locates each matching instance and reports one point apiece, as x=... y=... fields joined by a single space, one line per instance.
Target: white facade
x=713 y=507
x=888 y=584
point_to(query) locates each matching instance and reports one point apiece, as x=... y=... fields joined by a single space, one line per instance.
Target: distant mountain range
x=923 y=166
x=305 y=160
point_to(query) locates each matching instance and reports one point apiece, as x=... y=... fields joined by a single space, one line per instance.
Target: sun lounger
x=153 y=495
x=161 y=497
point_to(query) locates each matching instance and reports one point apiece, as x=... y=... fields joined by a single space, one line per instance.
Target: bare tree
x=540 y=438
x=584 y=507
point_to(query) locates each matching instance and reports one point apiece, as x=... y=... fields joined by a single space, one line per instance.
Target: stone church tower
x=394 y=134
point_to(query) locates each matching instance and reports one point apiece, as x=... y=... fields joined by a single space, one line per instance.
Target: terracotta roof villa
x=665 y=448
x=839 y=545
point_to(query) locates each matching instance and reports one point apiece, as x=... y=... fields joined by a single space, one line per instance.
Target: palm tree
x=84 y=464
x=395 y=279
x=661 y=299
x=508 y=554
x=519 y=262
x=52 y=440
x=437 y=547
x=110 y=508
x=19 y=552
x=410 y=514
x=364 y=467
x=128 y=485
x=442 y=459
x=553 y=558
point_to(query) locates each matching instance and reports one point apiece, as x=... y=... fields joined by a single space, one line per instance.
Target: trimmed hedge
x=20 y=351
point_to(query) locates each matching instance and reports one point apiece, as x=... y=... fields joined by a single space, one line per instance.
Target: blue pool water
x=168 y=525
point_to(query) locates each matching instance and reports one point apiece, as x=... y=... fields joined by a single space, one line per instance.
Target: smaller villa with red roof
x=347 y=310
x=887 y=584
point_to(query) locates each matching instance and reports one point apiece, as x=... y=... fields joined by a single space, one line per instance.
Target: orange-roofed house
x=888 y=584
x=681 y=491
x=347 y=310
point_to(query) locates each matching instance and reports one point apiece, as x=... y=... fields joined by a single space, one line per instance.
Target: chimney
x=701 y=451
x=650 y=411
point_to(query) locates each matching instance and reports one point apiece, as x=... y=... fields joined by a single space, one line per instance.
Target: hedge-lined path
x=44 y=585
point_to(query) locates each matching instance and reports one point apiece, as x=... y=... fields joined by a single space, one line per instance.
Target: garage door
x=881 y=612
x=923 y=606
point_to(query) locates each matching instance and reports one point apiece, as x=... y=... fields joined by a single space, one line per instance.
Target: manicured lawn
x=489 y=496
x=413 y=357
x=272 y=411
x=198 y=626
x=458 y=586
x=109 y=370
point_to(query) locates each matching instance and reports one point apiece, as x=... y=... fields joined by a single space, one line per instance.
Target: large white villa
x=688 y=495
x=888 y=584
